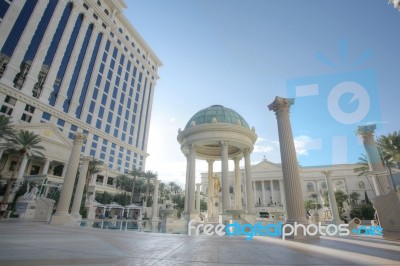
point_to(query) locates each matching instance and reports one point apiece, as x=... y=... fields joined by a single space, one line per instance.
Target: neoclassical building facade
x=268 y=191
x=77 y=66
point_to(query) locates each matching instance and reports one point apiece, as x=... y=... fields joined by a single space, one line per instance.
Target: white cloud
x=263 y=145
x=304 y=144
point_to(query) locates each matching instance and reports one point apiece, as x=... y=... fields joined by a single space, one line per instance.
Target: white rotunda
x=214 y=134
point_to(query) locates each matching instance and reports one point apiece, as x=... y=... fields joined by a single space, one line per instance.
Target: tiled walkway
x=33 y=244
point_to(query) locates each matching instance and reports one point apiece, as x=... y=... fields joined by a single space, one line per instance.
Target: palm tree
x=6 y=129
x=363 y=165
x=354 y=196
x=363 y=168
x=135 y=173
x=25 y=143
x=123 y=182
x=93 y=168
x=149 y=175
x=390 y=146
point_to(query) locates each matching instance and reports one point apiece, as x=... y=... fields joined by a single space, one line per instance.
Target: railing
x=123 y=224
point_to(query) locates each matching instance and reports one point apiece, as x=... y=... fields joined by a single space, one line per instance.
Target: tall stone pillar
x=192 y=178
x=186 y=207
x=290 y=170
x=198 y=197
x=154 y=215
x=238 y=192
x=225 y=176
x=381 y=182
x=76 y=205
x=332 y=199
x=210 y=187
x=62 y=215
x=249 y=190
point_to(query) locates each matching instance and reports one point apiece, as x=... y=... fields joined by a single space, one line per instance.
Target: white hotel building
x=76 y=66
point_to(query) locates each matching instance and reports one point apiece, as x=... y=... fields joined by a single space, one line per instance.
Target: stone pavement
x=33 y=243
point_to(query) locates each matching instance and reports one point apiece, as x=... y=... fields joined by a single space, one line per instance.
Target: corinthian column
x=62 y=215
x=332 y=199
x=192 y=178
x=238 y=192
x=198 y=197
x=381 y=183
x=225 y=176
x=79 y=188
x=210 y=187
x=290 y=170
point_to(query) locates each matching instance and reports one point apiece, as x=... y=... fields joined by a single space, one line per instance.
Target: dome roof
x=221 y=115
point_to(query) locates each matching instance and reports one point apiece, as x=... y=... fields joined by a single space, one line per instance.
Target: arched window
x=106 y=11
x=99 y=3
x=361 y=185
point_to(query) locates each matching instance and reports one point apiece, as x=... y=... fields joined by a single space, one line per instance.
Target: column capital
x=86 y=158
x=365 y=131
x=224 y=143
x=79 y=137
x=246 y=151
x=327 y=173
x=210 y=161
x=237 y=159
x=281 y=104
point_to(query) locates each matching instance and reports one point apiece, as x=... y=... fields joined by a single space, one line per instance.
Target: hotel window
x=6 y=110
x=10 y=100
x=26 y=118
x=29 y=108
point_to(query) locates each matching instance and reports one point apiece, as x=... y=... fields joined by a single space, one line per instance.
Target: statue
x=30 y=196
x=217 y=185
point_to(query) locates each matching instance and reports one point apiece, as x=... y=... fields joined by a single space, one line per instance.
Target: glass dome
x=220 y=113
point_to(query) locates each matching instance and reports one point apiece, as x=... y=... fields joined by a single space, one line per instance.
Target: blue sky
x=241 y=54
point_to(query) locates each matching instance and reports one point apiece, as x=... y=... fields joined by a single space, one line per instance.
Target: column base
x=76 y=217
x=61 y=219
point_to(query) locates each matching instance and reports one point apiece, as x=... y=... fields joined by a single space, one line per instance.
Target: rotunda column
x=290 y=170
x=225 y=176
x=210 y=186
x=187 y=184
x=238 y=192
x=249 y=189
x=192 y=178
x=381 y=183
x=62 y=215
x=198 y=197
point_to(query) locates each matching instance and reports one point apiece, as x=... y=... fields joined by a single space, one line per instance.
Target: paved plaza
x=31 y=243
